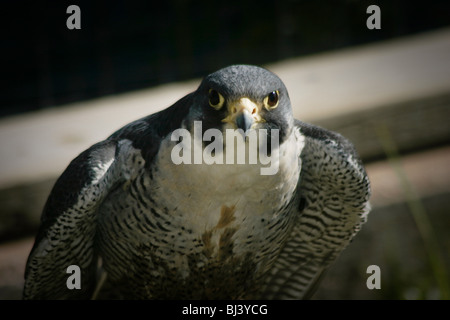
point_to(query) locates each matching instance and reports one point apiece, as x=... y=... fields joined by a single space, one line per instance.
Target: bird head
x=243 y=97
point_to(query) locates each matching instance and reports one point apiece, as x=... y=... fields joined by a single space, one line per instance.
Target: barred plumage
x=125 y=212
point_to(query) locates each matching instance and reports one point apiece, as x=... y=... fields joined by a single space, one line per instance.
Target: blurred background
x=387 y=90
x=125 y=45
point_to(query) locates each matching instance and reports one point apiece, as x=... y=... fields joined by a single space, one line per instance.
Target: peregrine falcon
x=155 y=212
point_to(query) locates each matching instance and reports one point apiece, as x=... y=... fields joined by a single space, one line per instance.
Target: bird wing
x=334 y=193
x=68 y=223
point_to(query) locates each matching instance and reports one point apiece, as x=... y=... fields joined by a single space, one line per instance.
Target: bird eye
x=271 y=101
x=215 y=99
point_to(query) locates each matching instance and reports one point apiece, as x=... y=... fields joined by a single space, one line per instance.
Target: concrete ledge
x=413 y=125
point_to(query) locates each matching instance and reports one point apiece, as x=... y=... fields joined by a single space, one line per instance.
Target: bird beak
x=244 y=121
x=243 y=114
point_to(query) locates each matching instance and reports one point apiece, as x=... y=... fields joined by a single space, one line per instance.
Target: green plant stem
x=418 y=212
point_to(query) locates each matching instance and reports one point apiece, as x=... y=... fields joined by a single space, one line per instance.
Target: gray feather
x=336 y=189
x=163 y=230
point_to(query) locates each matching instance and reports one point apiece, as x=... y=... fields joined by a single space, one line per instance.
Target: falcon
x=139 y=225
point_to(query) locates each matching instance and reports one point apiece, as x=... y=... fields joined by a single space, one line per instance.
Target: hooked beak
x=244 y=121
x=243 y=114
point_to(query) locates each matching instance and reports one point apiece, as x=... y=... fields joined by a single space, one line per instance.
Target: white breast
x=199 y=191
